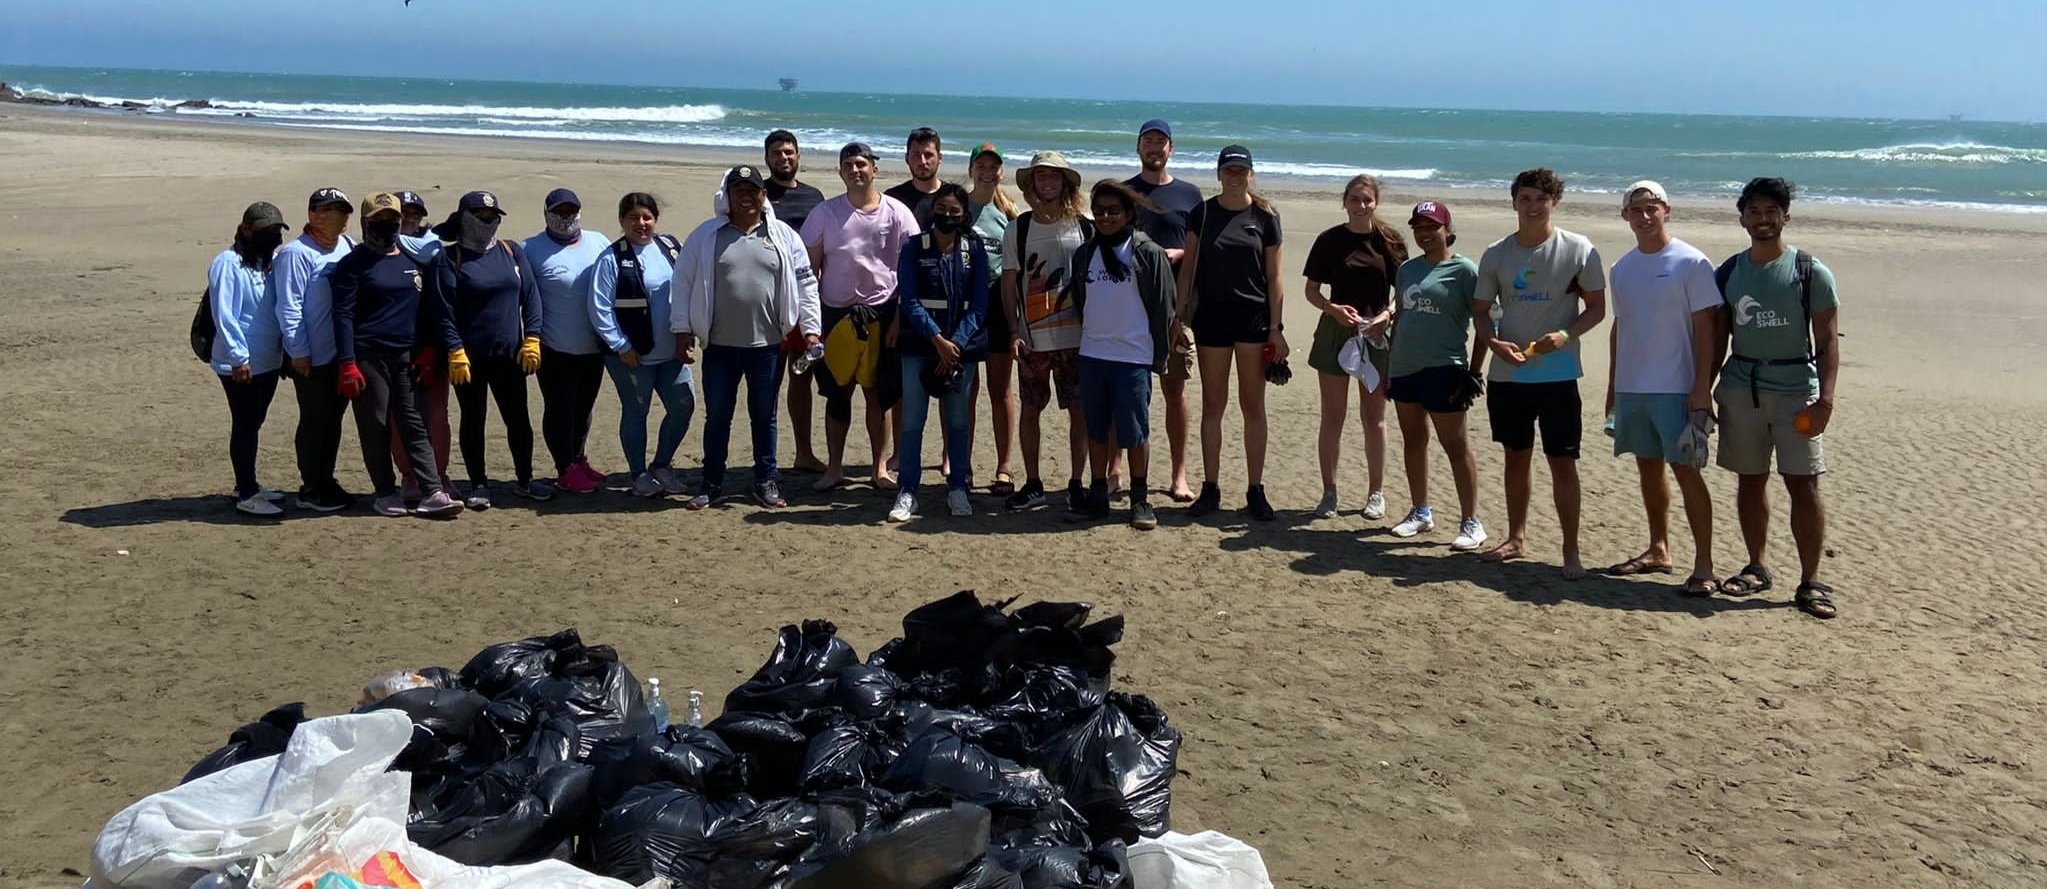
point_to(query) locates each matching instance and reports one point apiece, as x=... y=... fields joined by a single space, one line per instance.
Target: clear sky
x=1885 y=58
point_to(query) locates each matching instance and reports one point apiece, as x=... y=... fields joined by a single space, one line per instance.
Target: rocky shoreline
x=11 y=95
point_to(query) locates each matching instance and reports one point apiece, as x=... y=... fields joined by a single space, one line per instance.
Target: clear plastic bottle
x=656 y=704
x=802 y=363
x=231 y=878
x=696 y=708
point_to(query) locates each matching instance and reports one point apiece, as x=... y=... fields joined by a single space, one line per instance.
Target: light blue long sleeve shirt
x=564 y=274
x=305 y=307
x=244 y=317
x=660 y=278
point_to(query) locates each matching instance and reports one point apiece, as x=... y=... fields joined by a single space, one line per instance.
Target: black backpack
x=203 y=328
x=1801 y=262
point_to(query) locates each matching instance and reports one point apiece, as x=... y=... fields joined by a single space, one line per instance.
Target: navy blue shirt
x=492 y=298
x=1176 y=199
x=378 y=301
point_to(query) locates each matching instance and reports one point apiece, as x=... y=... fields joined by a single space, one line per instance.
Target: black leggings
x=248 y=404
x=390 y=398
x=505 y=382
x=569 y=384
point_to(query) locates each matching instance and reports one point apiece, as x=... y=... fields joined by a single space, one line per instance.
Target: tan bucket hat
x=1051 y=159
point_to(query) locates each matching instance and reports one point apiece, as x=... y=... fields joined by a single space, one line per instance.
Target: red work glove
x=350 y=383
x=423 y=362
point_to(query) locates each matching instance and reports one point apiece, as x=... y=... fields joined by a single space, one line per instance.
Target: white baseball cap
x=1654 y=188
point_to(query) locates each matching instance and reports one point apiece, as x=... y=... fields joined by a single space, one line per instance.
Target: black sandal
x=1813 y=598
x=1700 y=587
x=1752 y=580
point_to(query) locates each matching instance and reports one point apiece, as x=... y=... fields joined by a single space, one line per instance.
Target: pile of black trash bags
x=981 y=750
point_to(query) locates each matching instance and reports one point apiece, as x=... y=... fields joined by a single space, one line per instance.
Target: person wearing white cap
x=1665 y=314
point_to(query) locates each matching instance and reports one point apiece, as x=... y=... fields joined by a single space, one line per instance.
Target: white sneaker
x=1327 y=508
x=647 y=485
x=1419 y=521
x=670 y=482
x=1375 y=506
x=258 y=505
x=270 y=495
x=958 y=504
x=438 y=505
x=1470 y=536
x=906 y=506
x=478 y=497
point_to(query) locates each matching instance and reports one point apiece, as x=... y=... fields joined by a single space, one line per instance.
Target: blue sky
x=1981 y=58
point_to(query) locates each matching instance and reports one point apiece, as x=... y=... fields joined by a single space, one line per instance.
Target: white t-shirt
x=1653 y=297
x=1116 y=327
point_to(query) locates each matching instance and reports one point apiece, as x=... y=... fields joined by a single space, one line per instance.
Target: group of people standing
x=932 y=290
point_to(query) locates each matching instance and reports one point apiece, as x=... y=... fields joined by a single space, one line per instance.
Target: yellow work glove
x=529 y=354
x=458 y=367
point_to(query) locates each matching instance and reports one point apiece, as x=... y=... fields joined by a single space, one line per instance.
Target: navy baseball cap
x=410 y=200
x=330 y=197
x=1233 y=157
x=744 y=175
x=1158 y=126
x=479 y=200
x=562 y=196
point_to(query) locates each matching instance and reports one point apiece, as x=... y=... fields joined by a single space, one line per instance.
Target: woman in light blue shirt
x=248 y=348
x=630 y=293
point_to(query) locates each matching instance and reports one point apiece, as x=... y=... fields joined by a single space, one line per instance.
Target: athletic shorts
x=1330 y=337
x=1041 y=372
x=1116 y=396
x=1650 y=426
x=1750 y=435
x=1179 y=362
x=1518 y=410
x=1228 y=321
x=1434 y=388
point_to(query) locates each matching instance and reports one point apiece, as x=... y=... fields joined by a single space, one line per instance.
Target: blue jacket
x=943 y=293
x=305 y=306
x=244 y=317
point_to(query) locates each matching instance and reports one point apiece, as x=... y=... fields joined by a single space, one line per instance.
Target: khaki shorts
x=1179 y=362
x=1751 y=434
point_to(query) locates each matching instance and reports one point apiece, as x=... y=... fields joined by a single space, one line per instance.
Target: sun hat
x=1051 y=160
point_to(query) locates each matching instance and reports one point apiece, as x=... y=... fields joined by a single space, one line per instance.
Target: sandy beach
x=1366 y=711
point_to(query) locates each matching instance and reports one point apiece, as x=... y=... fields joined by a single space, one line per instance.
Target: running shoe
x=671 y=483
x=319 y=501
x=1142 y=517
x=478 y=496
x=1211 y=499
x=1419 y=521
x=1076 y=496
x=390 y=505
x=957 y=503
x=1375 y=506
x=258 y=505
x=1256 y=504
x=769 y=494
x=906 y=506
x=573 y=481
x=646 y=485
x=534 y=490
x=439 y=505
x=1327 y=508
x=1470 y=535
x=701 y=501
x=1029 y=497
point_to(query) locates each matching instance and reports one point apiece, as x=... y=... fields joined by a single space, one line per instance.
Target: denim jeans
x=637 y=387
x=725 y=367
x=955 y=411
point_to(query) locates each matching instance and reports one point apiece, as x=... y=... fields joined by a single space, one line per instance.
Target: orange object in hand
x=1803 y=423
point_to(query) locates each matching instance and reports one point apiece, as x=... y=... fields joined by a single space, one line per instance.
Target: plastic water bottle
x=696 y=708
x=656 y=704
x=232 y=878
x=1608 y=429
x=809 y=357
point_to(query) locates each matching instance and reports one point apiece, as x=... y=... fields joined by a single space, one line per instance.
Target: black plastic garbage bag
x=941 y=760
x=1106 y=866
x=989 y=873
x=494 y=670
x=1116 y=765
x=915 y=848
x=1043 y=699
x=868 y=692
x=1086 y=648
x=264 y=737
x=450 y=733
x=774 y=744
x=688 y=757
x=752 y=850
x=592 y=689
x=1002 y=737
x=799 y=676
x=508 y=815
x=652 y=827
x=849 y=754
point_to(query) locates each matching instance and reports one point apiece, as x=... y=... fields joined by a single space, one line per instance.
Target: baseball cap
x=744 y=174
x=479 y=200
x=1432 y=211
x=262 y=215
x=985 y=148
x=408 y=200
x=562 y=196
x=1158 y=126
x=855 y=149
x=328 y=197
x=381 y=202
x=1234 y=156
x=1654 y=188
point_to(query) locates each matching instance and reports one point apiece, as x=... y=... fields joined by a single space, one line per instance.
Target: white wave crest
x=670 y=114
x=1963 y=153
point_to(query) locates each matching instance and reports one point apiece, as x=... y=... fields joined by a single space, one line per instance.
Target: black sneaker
x=1256 y=504
x=320 y=501
x=1211 y=499
x=1094 y=506
x=534 y=490
x=1029 y=497
x=1076 y=497
x=335 y=494
x=1142 y=517
x=769 y=494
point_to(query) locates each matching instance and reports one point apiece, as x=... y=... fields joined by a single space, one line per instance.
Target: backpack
x=203 y=328
x=1802 y=262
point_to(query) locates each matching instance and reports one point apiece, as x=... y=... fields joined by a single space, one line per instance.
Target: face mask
x=478 y=235
x=949 y=225
x=380 y=234
x=266 y=242
x=564 y=229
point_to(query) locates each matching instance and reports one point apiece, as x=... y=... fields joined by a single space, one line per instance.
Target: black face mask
x=266 y=242
x=381 y=234
x=948 y=225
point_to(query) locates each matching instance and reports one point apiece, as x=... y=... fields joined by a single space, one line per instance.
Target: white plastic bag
x=1206 y=860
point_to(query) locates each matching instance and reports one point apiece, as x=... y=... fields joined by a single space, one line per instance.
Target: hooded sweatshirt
x=794 y=301
x=244 y=317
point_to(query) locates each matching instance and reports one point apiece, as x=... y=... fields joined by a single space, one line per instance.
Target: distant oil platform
x=788 y=84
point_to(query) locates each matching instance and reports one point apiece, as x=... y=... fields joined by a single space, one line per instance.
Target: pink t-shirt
x=860 y=249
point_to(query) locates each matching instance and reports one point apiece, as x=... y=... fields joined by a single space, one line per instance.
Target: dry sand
x=1366 y=711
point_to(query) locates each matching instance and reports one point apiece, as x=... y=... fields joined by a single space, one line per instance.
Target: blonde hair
x=1003 y=202
x=1074 y=206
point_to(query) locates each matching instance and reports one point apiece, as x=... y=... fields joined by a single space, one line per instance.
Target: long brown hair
x=1395 y=244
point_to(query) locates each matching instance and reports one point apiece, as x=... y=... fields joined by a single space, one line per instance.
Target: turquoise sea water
x=1988 y=165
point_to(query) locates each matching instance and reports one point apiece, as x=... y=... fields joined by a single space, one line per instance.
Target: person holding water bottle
x=1356 y=261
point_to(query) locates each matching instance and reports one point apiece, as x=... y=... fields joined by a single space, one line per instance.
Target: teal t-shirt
x=1434 y=324
x=991 y=224
x=1769 y=324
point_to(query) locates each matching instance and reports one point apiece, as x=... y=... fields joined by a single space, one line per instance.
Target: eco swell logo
x=1749 y=312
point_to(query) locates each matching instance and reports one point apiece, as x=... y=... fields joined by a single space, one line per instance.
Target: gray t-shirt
x=1535 y=291
x=743 y=314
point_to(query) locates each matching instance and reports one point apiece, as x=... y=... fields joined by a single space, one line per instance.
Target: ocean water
x=1953 y=163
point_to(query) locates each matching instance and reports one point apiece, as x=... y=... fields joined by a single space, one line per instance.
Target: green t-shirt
x=1769 y=324
x=988 y=220
x=1434 y=326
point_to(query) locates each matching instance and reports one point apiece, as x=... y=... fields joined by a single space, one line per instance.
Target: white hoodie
x=696 y=276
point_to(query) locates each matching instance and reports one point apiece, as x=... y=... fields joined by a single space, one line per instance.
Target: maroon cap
x=1432 y=211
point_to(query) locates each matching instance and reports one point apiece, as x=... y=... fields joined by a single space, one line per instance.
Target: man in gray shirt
x=742 y=283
